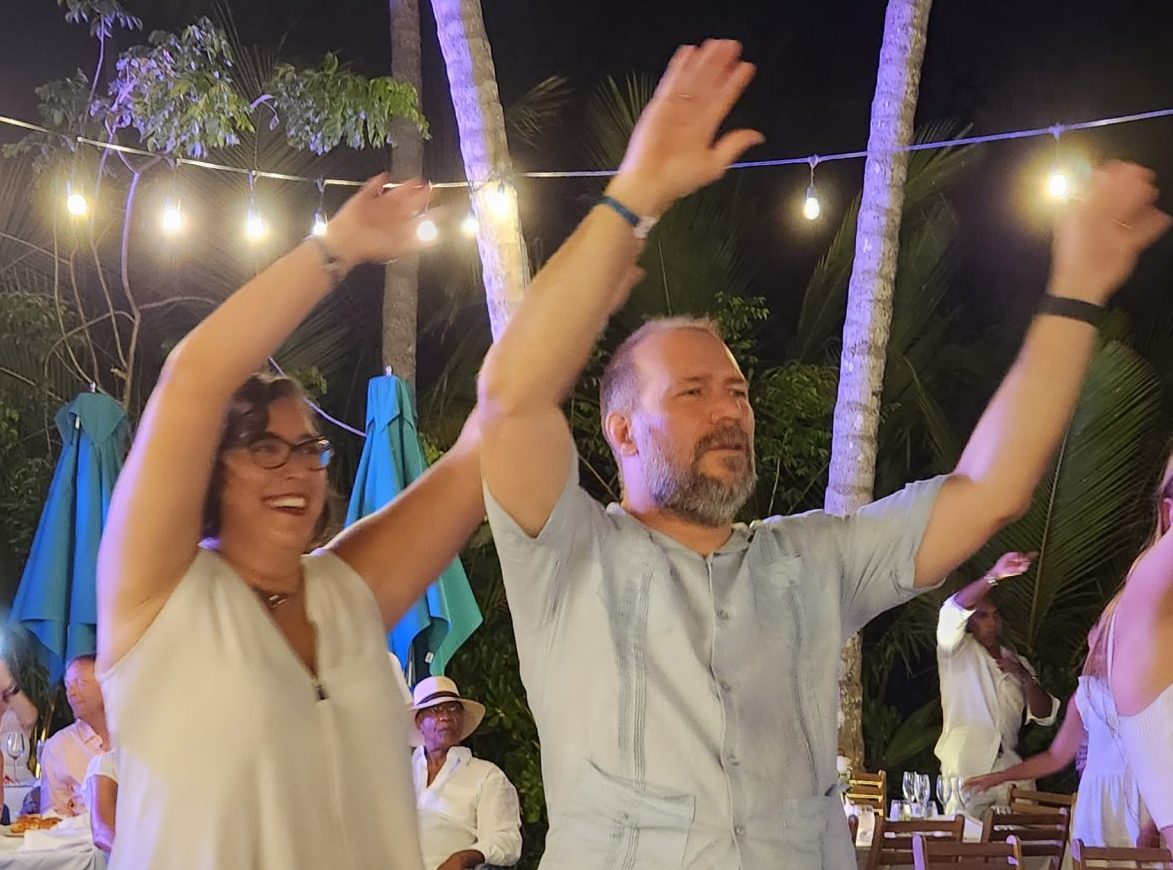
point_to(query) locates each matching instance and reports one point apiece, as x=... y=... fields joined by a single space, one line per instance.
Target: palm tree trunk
x=869 y=305
x=401 y=280
x=473 y=82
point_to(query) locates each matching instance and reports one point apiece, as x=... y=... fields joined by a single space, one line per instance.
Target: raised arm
x=153 y=527
x=1097 y=243
x=1057 y=756
x=527 y=374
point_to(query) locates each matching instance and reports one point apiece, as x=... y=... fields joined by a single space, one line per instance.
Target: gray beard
x=690 y=493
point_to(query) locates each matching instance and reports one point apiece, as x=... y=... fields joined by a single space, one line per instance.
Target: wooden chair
x=1028 y=801
x=892 y=841
x=1041 y=834
x=868 y=788
x=939 y=854
x=1118 y=858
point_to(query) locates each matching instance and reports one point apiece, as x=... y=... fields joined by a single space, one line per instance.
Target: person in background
x=1110 y=811
x=468 y=810
x=18 y=715
x=66 y=755
x=101 y=787
x=987 y=689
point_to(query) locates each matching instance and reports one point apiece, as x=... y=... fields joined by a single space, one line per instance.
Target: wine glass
x=944 y=791
x=923 y=793
x=15 y=746
x=908 y=786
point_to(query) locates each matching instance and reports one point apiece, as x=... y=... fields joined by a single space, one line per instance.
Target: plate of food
x=31 y=822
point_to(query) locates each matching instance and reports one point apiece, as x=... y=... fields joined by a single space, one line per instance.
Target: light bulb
x=254 y=226
x=1058 y=186
x=320 y=224
x=75 y=202
x=172 y=216
x=469 y=225
x=427 y=231
x=497 y=198
x=810 y=206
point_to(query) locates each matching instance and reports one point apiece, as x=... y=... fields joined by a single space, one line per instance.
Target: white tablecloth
x=13 y=858
x=14 y=795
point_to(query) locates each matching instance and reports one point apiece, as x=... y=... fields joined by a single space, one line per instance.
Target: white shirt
x=230 y=756
x=470 y=804
x=984 y=708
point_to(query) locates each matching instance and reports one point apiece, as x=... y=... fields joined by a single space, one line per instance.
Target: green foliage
x=64 y=106
x=178 y=92
x=324 y=107
x=538 y=109
x=102 y=16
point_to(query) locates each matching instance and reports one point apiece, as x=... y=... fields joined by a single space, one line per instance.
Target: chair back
x=868 y=788
x=1029 y=801
x=892 y=841
x=938 y=854
x=1118 y=858
x=1040 y=834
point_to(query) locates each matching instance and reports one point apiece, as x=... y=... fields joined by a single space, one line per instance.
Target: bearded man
x=682 y=667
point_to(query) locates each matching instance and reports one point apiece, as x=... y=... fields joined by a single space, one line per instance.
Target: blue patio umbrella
x=57 y=597
x=428 y=635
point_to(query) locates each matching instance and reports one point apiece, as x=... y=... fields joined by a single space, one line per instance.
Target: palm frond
x=532 y=114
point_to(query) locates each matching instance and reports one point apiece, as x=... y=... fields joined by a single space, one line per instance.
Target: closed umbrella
x=57 y=597
x=428 y=635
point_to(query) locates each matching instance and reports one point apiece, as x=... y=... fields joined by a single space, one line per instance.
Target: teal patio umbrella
x=57 y=596
x=431 y=631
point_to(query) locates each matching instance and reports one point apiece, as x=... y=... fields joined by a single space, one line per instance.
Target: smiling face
x=688 y=439
x=282 y=505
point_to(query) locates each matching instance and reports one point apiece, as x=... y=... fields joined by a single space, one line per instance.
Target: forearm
x=237 y=338
x=971 y=595
x=536 y=362
x=1013 y=443
x=1038 y=701
x=1043 y=764
x=465 y=859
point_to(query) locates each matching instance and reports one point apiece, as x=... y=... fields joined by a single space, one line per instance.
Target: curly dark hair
x=247 y=419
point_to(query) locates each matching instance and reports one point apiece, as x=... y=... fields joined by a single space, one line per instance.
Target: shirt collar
x=739 y=537
x=87 y=734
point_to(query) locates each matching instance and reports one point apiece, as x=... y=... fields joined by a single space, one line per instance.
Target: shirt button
x=739 y=830
x=734 y=760
x=722 y=613
x=725 y=686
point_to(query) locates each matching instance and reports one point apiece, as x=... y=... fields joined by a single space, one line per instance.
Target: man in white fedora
x=468 y=809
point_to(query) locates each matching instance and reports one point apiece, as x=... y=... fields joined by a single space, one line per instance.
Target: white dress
x=1109 y=811
x=231 y=757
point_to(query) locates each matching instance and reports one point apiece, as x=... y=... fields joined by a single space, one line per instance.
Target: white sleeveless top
x=229 y=758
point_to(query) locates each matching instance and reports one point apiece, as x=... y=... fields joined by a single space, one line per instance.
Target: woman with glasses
x=247 y=679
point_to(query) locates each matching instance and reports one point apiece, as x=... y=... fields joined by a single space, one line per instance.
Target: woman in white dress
x=1110 y=811
x=247 y=683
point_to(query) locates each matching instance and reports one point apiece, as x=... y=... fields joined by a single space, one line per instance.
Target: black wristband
x=1073 y=309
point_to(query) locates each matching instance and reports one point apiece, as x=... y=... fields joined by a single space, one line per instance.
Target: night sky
x=993 y=65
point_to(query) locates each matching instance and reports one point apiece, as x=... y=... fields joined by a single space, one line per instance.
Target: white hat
x=433 y=691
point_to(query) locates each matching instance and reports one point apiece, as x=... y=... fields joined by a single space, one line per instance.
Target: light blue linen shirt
x=687 y=707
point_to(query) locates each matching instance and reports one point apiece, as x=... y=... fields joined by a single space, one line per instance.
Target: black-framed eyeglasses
x=271 y=451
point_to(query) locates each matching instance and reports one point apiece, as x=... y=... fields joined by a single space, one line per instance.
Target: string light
x=810 y=204
x=1058 y=186
x=254 y=224
x=320 y=222
x=469 y=226
x=75 y=201
x=172 y=216
x=427 y=231
x=498 y=200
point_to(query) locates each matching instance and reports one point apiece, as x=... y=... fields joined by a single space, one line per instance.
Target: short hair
x=92 y=658
x=247 y=419
x=619 y=385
